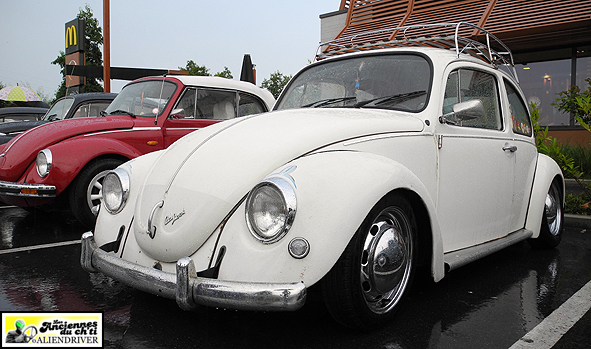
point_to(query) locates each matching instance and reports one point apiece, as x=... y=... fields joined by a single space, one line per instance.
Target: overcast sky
x=279 y=35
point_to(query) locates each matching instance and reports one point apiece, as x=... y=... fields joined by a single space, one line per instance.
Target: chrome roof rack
x=491 y=50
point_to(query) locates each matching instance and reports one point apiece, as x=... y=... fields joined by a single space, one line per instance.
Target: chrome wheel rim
x=94 y=192
x=553 y=211
x=386 y=260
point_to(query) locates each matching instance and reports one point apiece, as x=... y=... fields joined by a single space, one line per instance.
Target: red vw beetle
x=61 y=164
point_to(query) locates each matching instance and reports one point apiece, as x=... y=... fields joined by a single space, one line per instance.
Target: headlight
x=44 y=161
x=270 y=209
x=115 y=190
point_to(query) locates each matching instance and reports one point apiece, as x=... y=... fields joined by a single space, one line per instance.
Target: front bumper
x=27 y=190
x=190 y=290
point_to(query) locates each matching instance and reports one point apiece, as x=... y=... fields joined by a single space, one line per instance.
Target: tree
x=194 y=69
x=226 y=73
x=276 y=83
x=93 y=55
x=572 y=101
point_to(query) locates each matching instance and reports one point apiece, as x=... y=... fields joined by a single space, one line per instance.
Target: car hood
x=206 y=174
x=17 y=155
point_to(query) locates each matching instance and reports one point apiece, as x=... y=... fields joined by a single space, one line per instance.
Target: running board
x=456 y=259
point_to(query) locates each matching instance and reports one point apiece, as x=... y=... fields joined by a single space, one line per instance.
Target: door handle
x=511 y=148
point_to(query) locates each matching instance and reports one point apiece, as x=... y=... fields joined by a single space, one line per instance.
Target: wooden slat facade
x=524 y=25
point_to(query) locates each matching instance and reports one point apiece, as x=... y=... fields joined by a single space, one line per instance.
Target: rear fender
x=335 y=191
x=69 y=157
x=546 y=171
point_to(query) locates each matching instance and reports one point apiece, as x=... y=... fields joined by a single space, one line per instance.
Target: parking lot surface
x=491 y=303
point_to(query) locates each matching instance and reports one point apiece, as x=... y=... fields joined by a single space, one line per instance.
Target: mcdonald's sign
x=75 y=36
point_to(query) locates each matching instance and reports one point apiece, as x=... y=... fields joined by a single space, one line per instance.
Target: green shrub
x=581 y=157
x=577 y=204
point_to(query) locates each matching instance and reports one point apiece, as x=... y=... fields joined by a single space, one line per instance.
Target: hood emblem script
x=175 y=217
x=152 y=229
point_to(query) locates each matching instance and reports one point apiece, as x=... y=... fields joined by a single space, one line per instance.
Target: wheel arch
x=70 y=157
x=353 y=182
x=547 y=172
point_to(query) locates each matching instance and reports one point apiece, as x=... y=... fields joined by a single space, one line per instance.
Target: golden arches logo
x=72 y=35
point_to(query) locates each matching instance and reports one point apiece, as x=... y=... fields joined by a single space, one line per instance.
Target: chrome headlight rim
x=287 y=193
x=43 y=162
x=123 y=181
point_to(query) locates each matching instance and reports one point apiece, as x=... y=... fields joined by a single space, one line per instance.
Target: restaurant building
x=550 y=41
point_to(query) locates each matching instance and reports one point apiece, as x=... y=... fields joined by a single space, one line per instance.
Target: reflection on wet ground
x=488 y=304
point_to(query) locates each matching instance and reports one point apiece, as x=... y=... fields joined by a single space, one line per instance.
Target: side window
x=519 y=116
x=216 y=104
x=185 y=108
x=97 y=108
x=82 y=111
x=249 y=105
x=465 y=85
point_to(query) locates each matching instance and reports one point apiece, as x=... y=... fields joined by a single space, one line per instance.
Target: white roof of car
x=224 y=83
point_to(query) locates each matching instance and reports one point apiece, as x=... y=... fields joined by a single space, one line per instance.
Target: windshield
x=395 y=81
x=145 y=98
x=59 y=110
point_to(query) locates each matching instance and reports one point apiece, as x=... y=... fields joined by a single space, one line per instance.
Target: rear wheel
x=552 y=220
x=86 y=191
x=364 y=288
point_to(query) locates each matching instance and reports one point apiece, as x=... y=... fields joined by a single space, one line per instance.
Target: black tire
x=86 y=189
x=354 y=292
x=552 y=220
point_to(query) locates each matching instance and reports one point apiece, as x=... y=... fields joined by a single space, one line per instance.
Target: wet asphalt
x=490 y=303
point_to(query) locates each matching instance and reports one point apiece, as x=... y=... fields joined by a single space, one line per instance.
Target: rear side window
x=519 y=116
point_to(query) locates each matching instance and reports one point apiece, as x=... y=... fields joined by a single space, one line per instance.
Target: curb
x=577 y=221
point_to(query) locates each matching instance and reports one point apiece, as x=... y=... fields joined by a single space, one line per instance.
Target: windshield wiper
x=391 y=99
x=51 y=117
x=328 y=101
x=121 y=112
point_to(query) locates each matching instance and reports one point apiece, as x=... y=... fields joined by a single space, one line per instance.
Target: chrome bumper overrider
x=27 y=190
x=190 y=290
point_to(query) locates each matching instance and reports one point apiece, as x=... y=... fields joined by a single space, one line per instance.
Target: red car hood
x=17 y=155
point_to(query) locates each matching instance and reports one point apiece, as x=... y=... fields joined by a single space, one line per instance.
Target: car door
x=475 y=181
x=523 y=152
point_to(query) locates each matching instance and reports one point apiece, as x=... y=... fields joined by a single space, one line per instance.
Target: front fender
x=546 y=171
x=335 y=191
x=107 y=224
x=70 y=156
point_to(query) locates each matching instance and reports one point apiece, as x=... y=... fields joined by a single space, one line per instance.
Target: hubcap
x=553 y=211
x=386 y=260
x=94 y=193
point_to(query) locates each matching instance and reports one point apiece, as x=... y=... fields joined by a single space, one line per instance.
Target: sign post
x=75 y=35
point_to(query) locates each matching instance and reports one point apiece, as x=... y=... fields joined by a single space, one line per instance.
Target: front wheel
x=364 y=288
x=86 y=191
x=552 y=220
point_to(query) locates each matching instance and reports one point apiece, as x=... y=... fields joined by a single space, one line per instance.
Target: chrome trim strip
x=386 y=136
x=14 y=189
x=183 y=128
x=456 y=259
x=189 y=289
x=126 y=130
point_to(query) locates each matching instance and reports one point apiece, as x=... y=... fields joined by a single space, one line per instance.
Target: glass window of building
x=541 y=82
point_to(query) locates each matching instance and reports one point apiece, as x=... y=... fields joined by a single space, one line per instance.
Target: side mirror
x=469 y=110
x=177 y=114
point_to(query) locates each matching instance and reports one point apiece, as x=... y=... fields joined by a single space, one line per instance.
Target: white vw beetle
x=372 y=164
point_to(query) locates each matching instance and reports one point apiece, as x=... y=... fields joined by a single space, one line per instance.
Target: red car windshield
x=146 y=98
